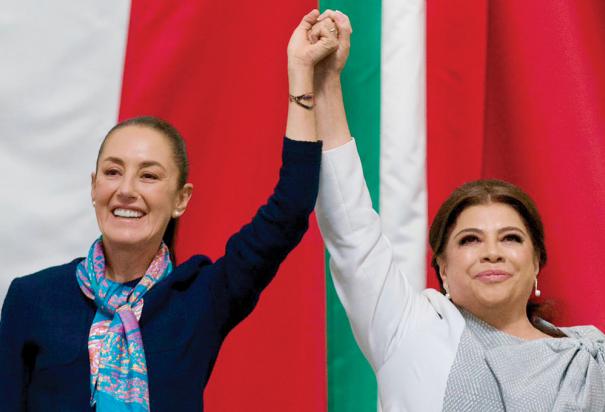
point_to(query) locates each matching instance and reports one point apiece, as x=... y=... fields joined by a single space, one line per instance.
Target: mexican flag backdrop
x=437 y=93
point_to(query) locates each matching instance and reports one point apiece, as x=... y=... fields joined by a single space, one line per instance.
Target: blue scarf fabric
x=118 y=370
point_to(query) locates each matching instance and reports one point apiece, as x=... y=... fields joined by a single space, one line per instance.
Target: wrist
x=300 y=68
x=300 y=81
x=328 y=73
x=328 y=84
x=306 y=101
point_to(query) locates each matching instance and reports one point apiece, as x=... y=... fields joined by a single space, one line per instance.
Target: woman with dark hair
x=473 y=346
x=124 y=329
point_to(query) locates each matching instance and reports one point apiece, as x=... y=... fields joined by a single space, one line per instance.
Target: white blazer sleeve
x=378 y=300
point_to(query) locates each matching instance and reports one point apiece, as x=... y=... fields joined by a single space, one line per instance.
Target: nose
x=491 y=252
x=127 y=190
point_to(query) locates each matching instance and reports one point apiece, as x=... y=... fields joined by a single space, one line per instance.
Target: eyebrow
x=146 y=163
x=501 y=230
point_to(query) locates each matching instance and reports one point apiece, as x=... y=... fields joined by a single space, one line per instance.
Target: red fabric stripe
x=543 y=128
x=455 y=98
x=217 y=70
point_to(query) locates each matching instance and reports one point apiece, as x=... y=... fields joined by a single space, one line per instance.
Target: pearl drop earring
x=537 y=291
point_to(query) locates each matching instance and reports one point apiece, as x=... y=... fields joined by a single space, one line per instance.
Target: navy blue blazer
x=46 y=318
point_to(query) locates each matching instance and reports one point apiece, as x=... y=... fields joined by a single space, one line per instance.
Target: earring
x=537 y=291
x=94 y=204
x=447 y=292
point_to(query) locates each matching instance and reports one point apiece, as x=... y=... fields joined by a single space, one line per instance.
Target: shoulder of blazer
x=55 y=286
x=54 y=313
x=50 y=275
x=188 y=271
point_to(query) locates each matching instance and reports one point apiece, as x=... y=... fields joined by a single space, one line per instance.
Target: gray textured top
x=494 y=371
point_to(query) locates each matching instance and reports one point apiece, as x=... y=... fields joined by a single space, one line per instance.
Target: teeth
x=127 y=213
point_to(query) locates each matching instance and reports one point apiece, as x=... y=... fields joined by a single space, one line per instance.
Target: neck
x=126 y=264
x=515 y=323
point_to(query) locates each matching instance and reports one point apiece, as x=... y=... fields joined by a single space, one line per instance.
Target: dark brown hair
x=481 y=192
x=179 y=152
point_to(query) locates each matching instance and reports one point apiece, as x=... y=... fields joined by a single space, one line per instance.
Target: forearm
x=304 y=53
x=254 y=254
x=331 y=118
x=301 y=121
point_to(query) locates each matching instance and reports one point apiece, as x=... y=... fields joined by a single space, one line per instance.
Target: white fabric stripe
x=403 y=195
x=60 y=85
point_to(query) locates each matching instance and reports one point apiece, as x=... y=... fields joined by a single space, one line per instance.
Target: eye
x=468 y=239
x=513 y=237
x=149 y=176
x=111 y=172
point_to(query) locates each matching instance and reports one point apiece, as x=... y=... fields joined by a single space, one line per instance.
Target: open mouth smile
x=128 y=213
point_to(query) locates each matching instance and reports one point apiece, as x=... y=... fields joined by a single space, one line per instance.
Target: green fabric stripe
x=351 y=381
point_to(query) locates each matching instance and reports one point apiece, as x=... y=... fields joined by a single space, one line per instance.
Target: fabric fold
x=571 y=373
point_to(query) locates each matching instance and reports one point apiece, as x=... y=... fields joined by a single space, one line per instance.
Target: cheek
x=524 y=258
x=163 y=201
x=102 y=192
x=459 y=259
x=459 y=265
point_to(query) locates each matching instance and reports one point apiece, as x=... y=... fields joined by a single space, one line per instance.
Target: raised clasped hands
x=317 y=53
x=320 y=43
x=333 y=64
x=305 y=52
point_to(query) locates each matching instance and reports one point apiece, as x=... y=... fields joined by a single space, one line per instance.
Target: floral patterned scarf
x=118 y=371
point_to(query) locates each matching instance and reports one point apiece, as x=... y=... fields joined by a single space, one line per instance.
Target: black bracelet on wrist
x=302 y=100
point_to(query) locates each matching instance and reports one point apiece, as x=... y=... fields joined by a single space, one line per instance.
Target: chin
x=125 y=240
x=494 y=296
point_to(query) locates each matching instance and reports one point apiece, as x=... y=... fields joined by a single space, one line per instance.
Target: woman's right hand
x=304 y=53
x=332 y=65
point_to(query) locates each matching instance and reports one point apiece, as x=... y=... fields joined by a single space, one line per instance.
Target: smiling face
x=489 y=260
x=135 y=188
